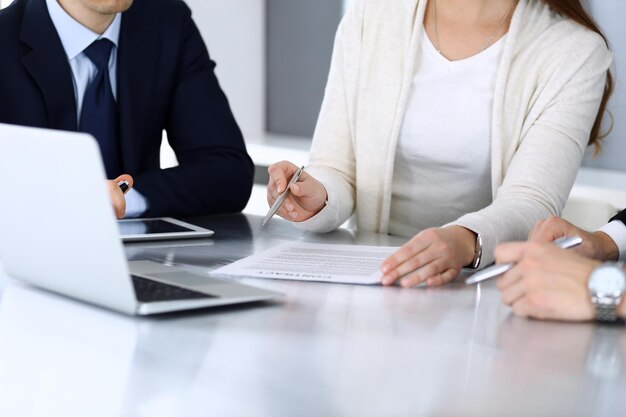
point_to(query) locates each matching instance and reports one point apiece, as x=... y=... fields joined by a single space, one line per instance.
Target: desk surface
x=327 y=350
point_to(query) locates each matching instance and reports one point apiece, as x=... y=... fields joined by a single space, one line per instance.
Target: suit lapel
x=134 y=64
x=47 y=64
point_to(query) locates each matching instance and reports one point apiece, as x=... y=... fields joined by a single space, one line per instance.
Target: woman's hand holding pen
x=434 y=256
x=307 y=196
x=117 y=195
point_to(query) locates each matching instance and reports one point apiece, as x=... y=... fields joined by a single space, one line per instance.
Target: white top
x=445 y=141
x=549 y=85
x=75 y=38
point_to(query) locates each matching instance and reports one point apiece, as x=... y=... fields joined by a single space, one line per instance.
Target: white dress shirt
x=75 y=38
x=617 y=231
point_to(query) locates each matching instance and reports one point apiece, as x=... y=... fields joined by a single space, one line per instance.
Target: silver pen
x=124 y=186
x=281 y=198
x=496 y=270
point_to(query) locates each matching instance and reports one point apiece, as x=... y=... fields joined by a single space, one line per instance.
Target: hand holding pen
x=117 y=188
x=546 y=282
x=300 y=199
x=499 y=269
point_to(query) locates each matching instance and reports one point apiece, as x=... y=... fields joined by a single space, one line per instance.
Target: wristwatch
x=478 y=252
x=607 y=285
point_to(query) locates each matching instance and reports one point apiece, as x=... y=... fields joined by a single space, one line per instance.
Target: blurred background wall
x=273 y=58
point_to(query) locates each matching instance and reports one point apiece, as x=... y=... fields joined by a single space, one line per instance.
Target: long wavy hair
x=574 y=10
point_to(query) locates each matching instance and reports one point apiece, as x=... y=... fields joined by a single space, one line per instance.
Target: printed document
x=301 y=261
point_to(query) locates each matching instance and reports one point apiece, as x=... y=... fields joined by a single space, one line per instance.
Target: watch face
x=607 y=280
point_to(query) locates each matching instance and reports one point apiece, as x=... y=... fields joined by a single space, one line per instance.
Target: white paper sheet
x=300 y=261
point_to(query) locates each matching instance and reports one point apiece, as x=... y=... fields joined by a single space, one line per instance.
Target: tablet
x=162 y=228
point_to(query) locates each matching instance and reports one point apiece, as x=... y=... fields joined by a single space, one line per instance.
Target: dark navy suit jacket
x=621 y=216
x=165 y=81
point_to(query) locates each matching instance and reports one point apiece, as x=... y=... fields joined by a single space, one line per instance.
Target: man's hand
x=597 y=245
x=117 y=196
x=547 y=282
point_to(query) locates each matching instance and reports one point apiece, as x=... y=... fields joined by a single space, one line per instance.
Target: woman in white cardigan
x=459 y=123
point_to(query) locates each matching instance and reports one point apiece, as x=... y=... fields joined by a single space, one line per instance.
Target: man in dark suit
x=124 y=71
x=573 y=285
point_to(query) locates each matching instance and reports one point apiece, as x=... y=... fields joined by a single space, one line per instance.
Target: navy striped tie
x=99 y=113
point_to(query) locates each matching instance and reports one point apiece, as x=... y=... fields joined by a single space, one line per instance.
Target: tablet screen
x=149 y=226
x=163 y=228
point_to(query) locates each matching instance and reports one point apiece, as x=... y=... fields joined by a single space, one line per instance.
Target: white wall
x=346 y=4
x=234 y=31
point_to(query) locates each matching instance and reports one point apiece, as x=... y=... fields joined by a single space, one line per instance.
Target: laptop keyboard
x=148 y=291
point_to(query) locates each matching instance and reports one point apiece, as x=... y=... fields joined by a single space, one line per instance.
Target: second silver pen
x=499 y=269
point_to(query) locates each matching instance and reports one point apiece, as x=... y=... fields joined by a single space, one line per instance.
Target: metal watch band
x=605 y=312
x=606 y=305
x=478 y=252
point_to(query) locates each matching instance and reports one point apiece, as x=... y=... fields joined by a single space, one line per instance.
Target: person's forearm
x=467 y=239
x=608 y=250
x=211 y=184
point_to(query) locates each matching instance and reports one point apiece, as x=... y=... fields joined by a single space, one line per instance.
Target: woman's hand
x=307 y=198
x=117 y=196
x=597 y=245
x=434 y=256
x=547 y=282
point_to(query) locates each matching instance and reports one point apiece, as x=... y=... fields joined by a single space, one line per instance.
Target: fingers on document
x=443 y=278
x=413 y=270
x=423 y=273
x=408 y=258
x=419 y=262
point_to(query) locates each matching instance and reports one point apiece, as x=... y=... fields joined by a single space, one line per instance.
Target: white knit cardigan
x=549 y=85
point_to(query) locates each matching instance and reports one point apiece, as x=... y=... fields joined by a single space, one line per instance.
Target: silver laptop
x=58 y=232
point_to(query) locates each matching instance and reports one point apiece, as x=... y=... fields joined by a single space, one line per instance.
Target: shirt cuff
x=136 y=204
x=616 y=230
